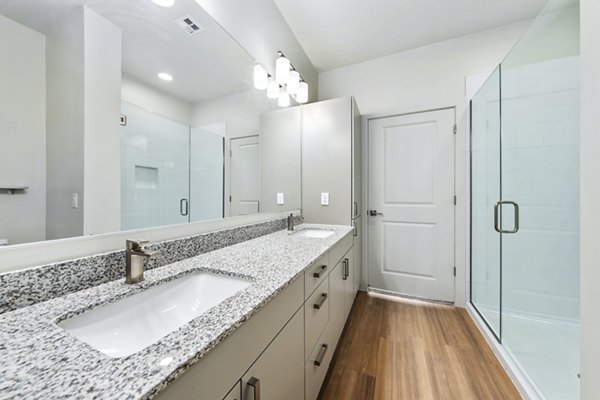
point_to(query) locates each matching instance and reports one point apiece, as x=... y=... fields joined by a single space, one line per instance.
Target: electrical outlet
x=325 y=198
x=279 y=198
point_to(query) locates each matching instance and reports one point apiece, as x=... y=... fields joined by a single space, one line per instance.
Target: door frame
x=366 y=119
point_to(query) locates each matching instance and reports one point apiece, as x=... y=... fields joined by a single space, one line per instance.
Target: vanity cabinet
x=285 y=350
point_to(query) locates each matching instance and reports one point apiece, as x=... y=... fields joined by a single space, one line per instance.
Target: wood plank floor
x=396 y=349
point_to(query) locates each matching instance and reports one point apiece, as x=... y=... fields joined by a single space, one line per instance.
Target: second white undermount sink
x=129 y=325
x=315 y=233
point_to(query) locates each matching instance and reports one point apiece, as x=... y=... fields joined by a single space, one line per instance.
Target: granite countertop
x=42 y=361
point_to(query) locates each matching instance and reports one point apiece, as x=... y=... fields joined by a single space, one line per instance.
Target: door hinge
x=454 y=129
x=230 y=199
x=454 y=271
x=230 y=153
x=454 y=199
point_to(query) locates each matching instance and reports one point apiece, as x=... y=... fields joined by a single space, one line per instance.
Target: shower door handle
x=184 y=207
x=497 y=207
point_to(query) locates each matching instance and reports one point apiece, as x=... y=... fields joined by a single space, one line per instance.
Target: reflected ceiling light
x=261 y=77
x=302 y=95
x=165 y=77
x=282 y=69
x=294 y=82
x=284 y=98
x=164 y=3
x=272 y=89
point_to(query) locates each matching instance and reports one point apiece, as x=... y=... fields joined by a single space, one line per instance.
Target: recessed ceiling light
x=165 y=77
x=164 y=3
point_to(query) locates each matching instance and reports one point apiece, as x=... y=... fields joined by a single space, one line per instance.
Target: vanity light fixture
x=282 y=69
x=272 y=89
x=164 y=3
x=165 y=77
x=284 y=98
x=261 y=77
x=286 y=83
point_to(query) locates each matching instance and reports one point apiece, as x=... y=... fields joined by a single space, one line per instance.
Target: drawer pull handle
x=255 y=383
x=318 y=274
x=346 y=269
x=321 y=355
x=321 y=301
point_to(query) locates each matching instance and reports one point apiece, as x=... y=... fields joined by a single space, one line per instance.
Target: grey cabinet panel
x=327 y=161
x=280 y=141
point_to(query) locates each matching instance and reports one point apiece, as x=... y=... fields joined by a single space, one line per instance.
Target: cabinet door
x=357 y=250
x=348 y=282
x=279 y=372
x=235 y=393
x=327 y=146
x=356 y=161
x=337 y=309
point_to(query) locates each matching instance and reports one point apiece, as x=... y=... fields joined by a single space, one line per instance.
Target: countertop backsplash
x=34 y=285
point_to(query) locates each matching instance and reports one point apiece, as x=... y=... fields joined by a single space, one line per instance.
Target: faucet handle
x=135 y=244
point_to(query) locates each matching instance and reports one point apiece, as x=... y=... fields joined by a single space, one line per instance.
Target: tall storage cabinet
x=331 y=161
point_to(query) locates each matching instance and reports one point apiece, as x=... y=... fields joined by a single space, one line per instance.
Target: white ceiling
x=335 y=33
x=207 y=65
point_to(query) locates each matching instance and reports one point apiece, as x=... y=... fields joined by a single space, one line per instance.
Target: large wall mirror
x=119 y=115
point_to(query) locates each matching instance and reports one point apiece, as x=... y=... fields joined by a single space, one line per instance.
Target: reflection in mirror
x=118 y=115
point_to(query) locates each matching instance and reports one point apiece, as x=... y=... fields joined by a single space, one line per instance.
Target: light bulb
x=282 y=70
x=302 y=95
x=165 y=77
x=272 y=89
x=294 y=82
x=261 y=78
x=284 y=98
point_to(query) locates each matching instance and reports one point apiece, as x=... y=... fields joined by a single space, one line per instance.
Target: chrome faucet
x=135 y=254
x=290 y=222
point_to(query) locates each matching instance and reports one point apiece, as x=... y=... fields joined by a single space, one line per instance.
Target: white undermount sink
x=131 y=324
x=314 y=233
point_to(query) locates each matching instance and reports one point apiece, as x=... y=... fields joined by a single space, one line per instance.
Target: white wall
x=155 y=100
x=102 y=108
x=590 y=199
x=22 y=132
x=423 y=79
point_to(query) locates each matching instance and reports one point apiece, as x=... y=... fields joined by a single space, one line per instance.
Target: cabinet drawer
x=235 y=393
x=316 y=274
x=316 y=315
x=322 y=353
x=337 y=252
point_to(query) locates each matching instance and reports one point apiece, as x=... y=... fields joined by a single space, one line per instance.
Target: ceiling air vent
x=189 y=25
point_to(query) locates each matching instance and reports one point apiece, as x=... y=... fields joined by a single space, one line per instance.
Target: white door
x=411 y=204
x=244 y=180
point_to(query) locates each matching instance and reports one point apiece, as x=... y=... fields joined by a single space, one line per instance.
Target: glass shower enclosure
x=170 y=173
x=525 y=202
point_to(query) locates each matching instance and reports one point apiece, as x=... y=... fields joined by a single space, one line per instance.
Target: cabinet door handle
x=321 y=355
x=346 y=269
x=322 y=300
x=322 y=270
x=255 y=383
x=355 y=209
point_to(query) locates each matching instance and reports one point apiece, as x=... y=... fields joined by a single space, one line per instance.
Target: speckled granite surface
x=34 y=285
x=41 y=361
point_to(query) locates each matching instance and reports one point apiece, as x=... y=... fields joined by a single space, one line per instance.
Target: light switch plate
x=325 y=198
x=279 y=198
x=74 y=200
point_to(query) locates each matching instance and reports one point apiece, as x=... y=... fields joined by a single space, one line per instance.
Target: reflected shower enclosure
x=170 y=173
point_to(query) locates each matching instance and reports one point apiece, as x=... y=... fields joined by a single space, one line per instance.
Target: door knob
x=374 y=213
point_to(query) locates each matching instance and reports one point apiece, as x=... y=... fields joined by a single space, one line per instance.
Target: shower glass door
x=525 y=202
x=540 y=172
